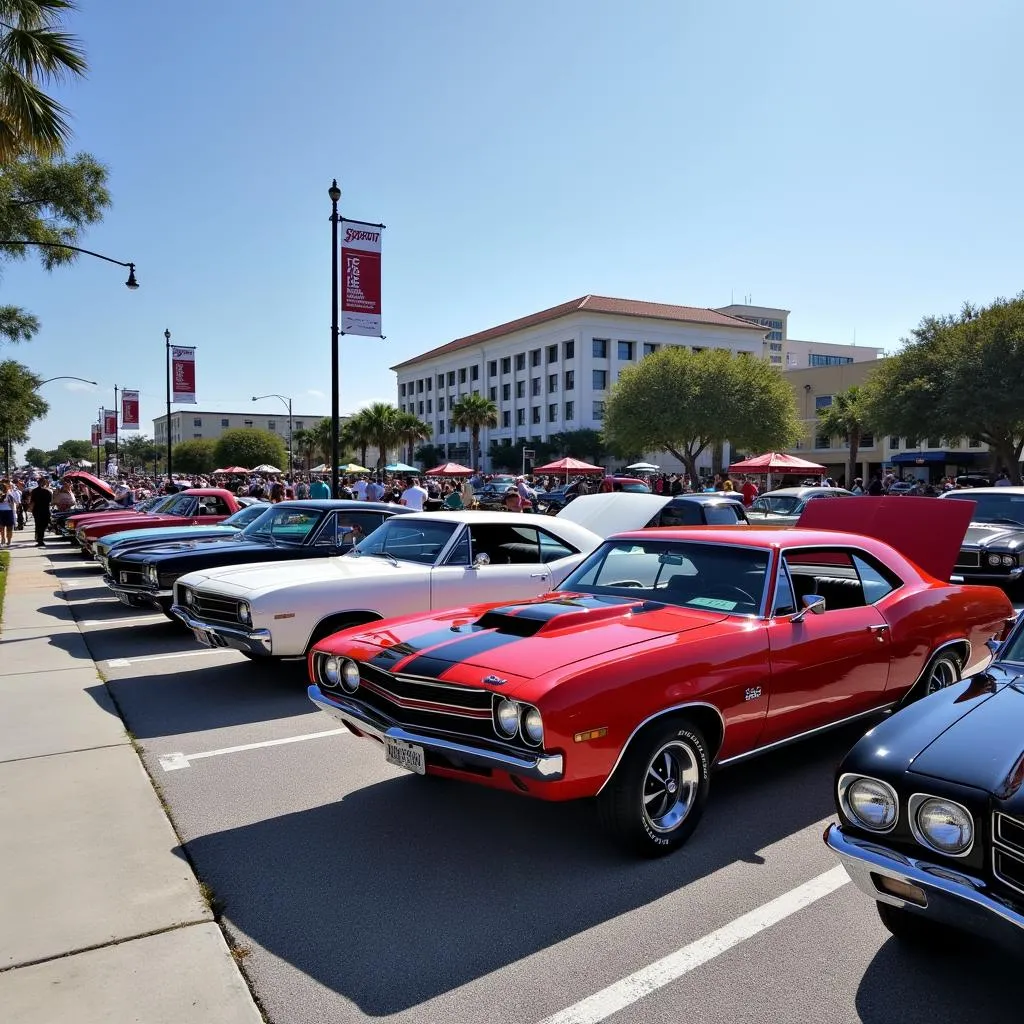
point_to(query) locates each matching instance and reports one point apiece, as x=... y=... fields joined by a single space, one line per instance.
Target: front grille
x=1008 y=851
x=1009 y=832
x=424 y=705
x=968 y=559
x=214 y=608
x=134 y=579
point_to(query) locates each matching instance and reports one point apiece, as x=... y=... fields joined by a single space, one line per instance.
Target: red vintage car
x=197 y=505
x=666 y=652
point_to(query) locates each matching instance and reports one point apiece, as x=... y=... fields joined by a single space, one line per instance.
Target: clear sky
x=860 y=165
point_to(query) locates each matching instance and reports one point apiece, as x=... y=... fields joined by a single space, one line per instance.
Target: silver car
x=783 y=507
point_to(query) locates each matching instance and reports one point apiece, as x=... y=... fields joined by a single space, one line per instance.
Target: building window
x=401 y=390
x=197 y=435
x=520 y=361
x=492 y=368
x=451 y=378
x=625 y=349
x=535 y=357
x=822 y=401
x=506 y=392
x=440 y=403
x=552 y=383
x=934 y=442
x=430 y=383
x=474 y=372
x=271 y=424
x=506 y=419
x=553 y=412
x=974 y=442
x=649 y=348
x=894 y=442
x=492 y=394
x=440 y=428
x=599 y=348
x=197 y=422
x=224 y=422
x=570 y=380
x=535 y=414
x=440 y=381
x=535 y=386
x=520 y=417
x=569 y=349
x=462 y=375
x=520 y=389
x=298 y=424
x=775 y=346
x=248 y=423
x=429 y=403
x=600 y=381
x=419 y=386
x=598 y=411
x=822 y=441
x=570 y=411
x=552 y=354
x=867 y=441
x=421 y=409
x=506 y=365
x=816 y=359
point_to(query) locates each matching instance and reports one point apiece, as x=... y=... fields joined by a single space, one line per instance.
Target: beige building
x=924 y=459
x=201 y=425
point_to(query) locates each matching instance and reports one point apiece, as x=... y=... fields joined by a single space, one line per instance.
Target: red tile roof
x=592 y=304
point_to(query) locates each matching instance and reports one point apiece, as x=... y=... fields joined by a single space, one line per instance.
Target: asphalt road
x=353 y=890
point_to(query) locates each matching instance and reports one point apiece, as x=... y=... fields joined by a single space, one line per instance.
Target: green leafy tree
x=20 y=405
x=34 y=52
x=381 y=423
x=138 y=450
x=76 y=449
x=472 y=412
x=585 y=444
x=846 y=417
x=685 y=402
x=195 y=456
x=429 y=456
x=37 y=457
x=354 y=434
x=410 y=430
x=305 y=443
x=957 y=375
x=248 y=447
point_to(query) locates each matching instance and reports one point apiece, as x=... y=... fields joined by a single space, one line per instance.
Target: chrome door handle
x=878 y=629
x=538 y=575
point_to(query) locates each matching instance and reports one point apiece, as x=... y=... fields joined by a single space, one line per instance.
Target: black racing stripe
x=435 y=664
x=391 y=655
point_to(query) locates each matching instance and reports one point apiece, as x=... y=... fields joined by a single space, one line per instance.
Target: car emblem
x=494 y=681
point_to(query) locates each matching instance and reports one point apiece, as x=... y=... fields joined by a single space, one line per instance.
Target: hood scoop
x=545 y=617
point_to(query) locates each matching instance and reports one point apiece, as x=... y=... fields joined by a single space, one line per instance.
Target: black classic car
x=931 y=808
x=287 y=530
x=993 y=549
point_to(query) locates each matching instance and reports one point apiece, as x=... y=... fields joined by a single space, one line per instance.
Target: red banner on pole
x=109 y=424
x=360 y=278
x=129 y=410
x=96 y=435
x=183 y=375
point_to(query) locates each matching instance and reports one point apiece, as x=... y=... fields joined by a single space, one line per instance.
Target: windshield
x=164 y=504
x=420 y=541
x=780 y=504
x=993 y=508
x=712 y=577
x=636 y=488
x=1013 y=649
x=283 y=525
x=245 y=516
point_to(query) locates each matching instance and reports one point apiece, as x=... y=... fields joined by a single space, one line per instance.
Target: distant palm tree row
x=384 y=427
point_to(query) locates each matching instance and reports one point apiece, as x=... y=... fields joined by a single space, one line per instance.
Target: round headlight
x=943 y=825
x=993 y=559
x=1009 y=560
x=332 y=671
x=244 y=613
x=871 y=804
x=188 y=596
x=506 y=717
x=350 y=675
x=533 y=726
x=151 y=574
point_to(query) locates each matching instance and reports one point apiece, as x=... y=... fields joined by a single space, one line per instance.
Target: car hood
x=983 y=747
x=227 y=547
x=613 y=512
x=239 y=580
x=166 y=535
x=1001 y=536
x=534 y=637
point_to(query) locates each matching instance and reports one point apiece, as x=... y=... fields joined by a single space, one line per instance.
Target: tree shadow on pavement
x=409 y=888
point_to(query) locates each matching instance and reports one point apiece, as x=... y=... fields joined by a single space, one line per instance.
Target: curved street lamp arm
x=131 y=282
x=65 y=377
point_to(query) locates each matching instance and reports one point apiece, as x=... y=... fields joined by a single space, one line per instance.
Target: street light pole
x=117 y=416
x=167 y=367
x=130 y=283
x=335 y=196
x=288 y=403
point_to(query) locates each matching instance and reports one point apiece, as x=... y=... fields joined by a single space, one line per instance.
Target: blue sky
x=856 y=164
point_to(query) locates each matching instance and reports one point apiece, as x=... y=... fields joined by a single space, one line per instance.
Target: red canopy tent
x=569 y=465
x=450 y=469
x=777 y=462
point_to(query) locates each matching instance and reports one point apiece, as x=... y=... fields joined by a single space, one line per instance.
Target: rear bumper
x=541 y=767
x=953 y=898
x=250 y=641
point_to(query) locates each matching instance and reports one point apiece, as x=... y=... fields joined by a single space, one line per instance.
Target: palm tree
x=471 y=412
x=380 y=422
x=411 y=430
x=33 y=51
x=355 y=434
x=305 y=442
x=846 y=417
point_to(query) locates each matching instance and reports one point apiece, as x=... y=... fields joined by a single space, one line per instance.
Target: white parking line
x=172 y=762
x=618 y=996
x=125 y=662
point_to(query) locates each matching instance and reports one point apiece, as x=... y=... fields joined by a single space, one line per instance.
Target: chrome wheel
x=670 y=786
x=944 y=671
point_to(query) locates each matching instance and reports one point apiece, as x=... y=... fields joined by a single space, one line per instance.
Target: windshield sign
x=421 y=541
x=713 y=577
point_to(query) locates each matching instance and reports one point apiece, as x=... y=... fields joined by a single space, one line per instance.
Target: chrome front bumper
x=148 y=594
x=542 y=767
x=249 y=641
x=953 y=898
x=966 y=575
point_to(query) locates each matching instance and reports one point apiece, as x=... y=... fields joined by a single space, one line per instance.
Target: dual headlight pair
x=1007 y=560
x=187 y=596
x=511 y=717
x=341 y=672
x=938 y=823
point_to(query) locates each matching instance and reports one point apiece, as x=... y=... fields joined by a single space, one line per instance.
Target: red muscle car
x=664 y=653
x=197 y=505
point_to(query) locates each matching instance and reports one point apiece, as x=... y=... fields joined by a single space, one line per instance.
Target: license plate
x=405 y=755
x=124 y=599
x=203 y=637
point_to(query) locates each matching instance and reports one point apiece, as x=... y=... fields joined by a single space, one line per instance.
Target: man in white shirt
x=374 y=491
x=414 y=496
x=360 y=488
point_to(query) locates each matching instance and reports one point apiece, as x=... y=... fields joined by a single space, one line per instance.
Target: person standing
x=749 y=491
x=41 y=499
x=7 y=507
x=318 y=490
x=414 y=496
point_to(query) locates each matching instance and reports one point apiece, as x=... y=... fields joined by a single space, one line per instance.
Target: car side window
x=785 y=599
x=827 y=572
x=683 y=513
x=876 y=580
x=552 y=549
x=506 y=545
x=459 y=554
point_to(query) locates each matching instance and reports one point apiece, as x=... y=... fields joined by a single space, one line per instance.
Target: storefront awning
x=936 y=458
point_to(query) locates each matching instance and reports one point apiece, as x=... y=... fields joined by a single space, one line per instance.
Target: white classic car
x=412 y=563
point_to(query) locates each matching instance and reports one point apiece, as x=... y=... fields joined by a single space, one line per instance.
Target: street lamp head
x=334 y=192
x=167 y=337
x=131 y=282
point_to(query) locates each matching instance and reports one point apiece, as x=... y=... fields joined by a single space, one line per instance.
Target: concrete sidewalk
x=100 y=918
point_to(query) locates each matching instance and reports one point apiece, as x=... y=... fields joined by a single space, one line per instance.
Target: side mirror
x=482 y=559
x=813 y=603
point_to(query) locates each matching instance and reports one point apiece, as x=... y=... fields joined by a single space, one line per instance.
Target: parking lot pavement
x=357 y=891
